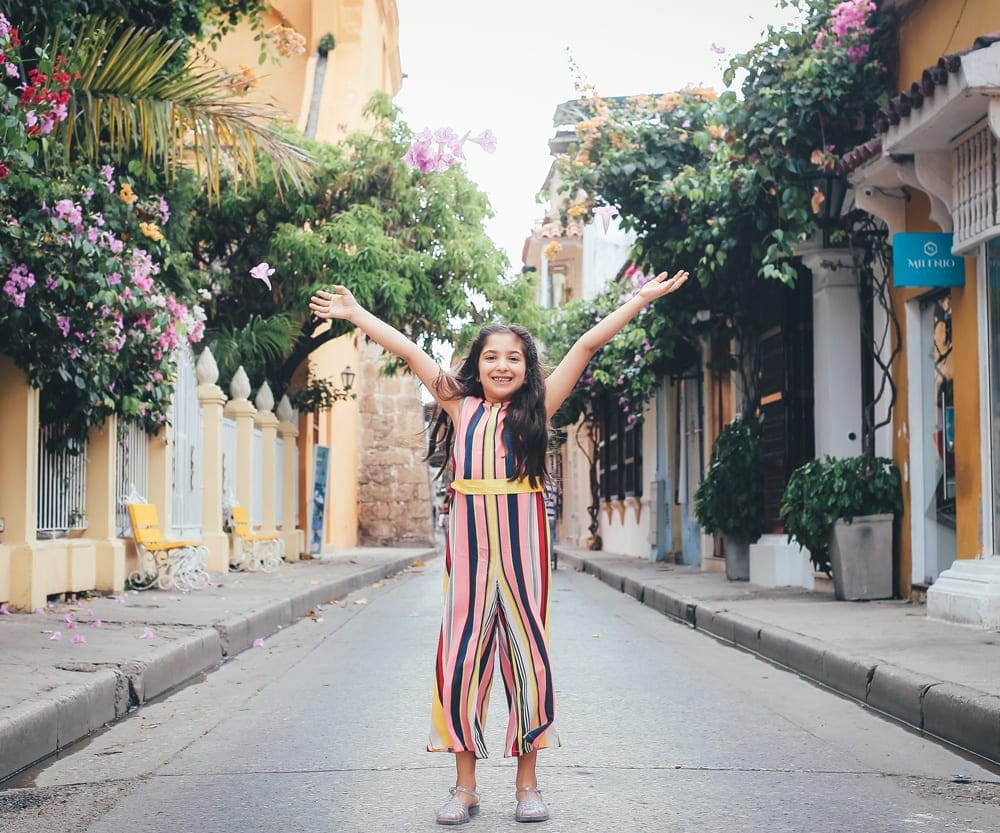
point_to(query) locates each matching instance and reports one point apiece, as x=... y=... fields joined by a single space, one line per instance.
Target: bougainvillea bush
x=84 y=311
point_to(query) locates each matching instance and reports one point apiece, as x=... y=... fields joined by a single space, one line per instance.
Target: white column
x=836 y=351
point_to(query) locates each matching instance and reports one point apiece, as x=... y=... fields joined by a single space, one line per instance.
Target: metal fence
x=62 y=488
x=131 y=474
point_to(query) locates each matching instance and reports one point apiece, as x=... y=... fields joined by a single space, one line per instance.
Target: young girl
x=496 y=410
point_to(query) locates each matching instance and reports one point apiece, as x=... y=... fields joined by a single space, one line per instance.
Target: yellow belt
x=494 y=487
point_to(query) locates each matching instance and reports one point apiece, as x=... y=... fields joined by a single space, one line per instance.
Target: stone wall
x=394 y=489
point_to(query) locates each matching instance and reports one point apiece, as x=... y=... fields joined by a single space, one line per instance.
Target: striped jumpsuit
x=496 y=596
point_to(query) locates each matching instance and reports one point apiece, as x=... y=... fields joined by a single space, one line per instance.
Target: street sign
x=925 y=259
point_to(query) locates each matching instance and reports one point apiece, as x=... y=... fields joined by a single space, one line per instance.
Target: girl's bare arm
x=563 y=379
x=340 y=303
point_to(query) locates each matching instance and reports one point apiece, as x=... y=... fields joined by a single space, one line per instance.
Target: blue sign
x=925 y=259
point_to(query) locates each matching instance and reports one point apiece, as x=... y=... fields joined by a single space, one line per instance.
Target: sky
x=506 y=65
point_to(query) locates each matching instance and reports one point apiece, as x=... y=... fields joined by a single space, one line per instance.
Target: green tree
x=411 y=247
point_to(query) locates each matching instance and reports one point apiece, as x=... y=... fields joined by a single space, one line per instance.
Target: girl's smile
x=501 y=366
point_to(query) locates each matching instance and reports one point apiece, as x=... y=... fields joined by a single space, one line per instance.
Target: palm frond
x=127 y=101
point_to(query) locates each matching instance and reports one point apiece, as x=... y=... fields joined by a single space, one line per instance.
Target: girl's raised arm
x=340 y=303
x=563 y=379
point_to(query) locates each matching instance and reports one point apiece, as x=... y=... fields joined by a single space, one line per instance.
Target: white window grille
x=62 y=487
x=132 y=473
x=976 y=188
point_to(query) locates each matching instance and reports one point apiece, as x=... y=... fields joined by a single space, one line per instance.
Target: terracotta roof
x=903 y=105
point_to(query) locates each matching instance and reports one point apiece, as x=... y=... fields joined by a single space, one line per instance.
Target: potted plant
x=842 y=511
x=730 y=500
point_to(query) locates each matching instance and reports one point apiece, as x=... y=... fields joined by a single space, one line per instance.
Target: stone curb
x=51 y=722
x=955 y=714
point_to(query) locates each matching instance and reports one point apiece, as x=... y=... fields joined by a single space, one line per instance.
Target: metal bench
x=178 y=565
x=252 y=551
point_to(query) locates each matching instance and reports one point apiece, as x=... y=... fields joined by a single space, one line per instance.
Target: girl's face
x=502 y=367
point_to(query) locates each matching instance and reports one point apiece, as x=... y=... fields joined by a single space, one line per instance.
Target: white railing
x=131 y=473
x=62 y=488
x=279 y=480
x=975 y=187
x=257 y=483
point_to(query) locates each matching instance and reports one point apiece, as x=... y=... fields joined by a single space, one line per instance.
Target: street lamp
x=828 y=190
x=347 y=377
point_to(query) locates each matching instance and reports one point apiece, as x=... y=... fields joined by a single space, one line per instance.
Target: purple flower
x=262 y=272
x=63 y=323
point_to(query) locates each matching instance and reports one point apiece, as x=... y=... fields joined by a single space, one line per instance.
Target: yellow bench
x=164 y=564
x=253 y=551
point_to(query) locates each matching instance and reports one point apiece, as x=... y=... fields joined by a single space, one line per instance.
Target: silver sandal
x=531 y=807
x=456 y=811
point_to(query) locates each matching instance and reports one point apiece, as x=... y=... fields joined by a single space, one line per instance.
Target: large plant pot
x=737 y=558
x=861 y=558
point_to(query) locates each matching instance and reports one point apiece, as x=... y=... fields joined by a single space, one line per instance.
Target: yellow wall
x=935 y=29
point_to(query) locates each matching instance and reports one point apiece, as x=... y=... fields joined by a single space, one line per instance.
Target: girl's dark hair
x=526 y=423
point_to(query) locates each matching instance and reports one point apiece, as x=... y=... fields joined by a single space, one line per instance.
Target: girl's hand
x=660 y=285
x=337 y=304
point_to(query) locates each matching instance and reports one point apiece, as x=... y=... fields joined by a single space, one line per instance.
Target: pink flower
x=56 y=635
x=147 y=634
x=78 y=638
x=258 y=643
x=605 y=212
x=262 y=272
x=486 y=140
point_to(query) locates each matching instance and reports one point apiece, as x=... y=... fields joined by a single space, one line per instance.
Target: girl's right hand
x=337 y=304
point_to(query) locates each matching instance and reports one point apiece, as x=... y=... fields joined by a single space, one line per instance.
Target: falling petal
x=78 y=638
x=147 y=634
x=262 y=272
x=71 y=625
x=486 y=140
x=605 y=212
x=37 y=611
x=120 y=599
x=56 y=635
x=258 y=643
x=96 y=623
x=3 y=610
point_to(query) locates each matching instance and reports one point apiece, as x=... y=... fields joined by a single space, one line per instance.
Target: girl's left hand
x=661 y=285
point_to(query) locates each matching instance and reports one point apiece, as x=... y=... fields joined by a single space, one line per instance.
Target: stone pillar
x=836 y=351
x=212 y=400
x=267 y=422
x=293 y=537
x=102 y=503
x=22 y=586
x=241 y=410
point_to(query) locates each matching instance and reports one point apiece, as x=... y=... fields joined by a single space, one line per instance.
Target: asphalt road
x=323 y=729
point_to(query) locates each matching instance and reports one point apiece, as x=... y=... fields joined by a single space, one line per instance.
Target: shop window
x=621 y=457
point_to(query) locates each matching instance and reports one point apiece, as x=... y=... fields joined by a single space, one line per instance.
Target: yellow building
x=932 y=175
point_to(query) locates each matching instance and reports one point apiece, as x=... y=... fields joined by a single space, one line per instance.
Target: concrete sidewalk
x=114 y=653
x=942 y=679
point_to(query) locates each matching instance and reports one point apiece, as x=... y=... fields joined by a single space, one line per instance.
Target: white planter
x=774 y=562
x=861 y=558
